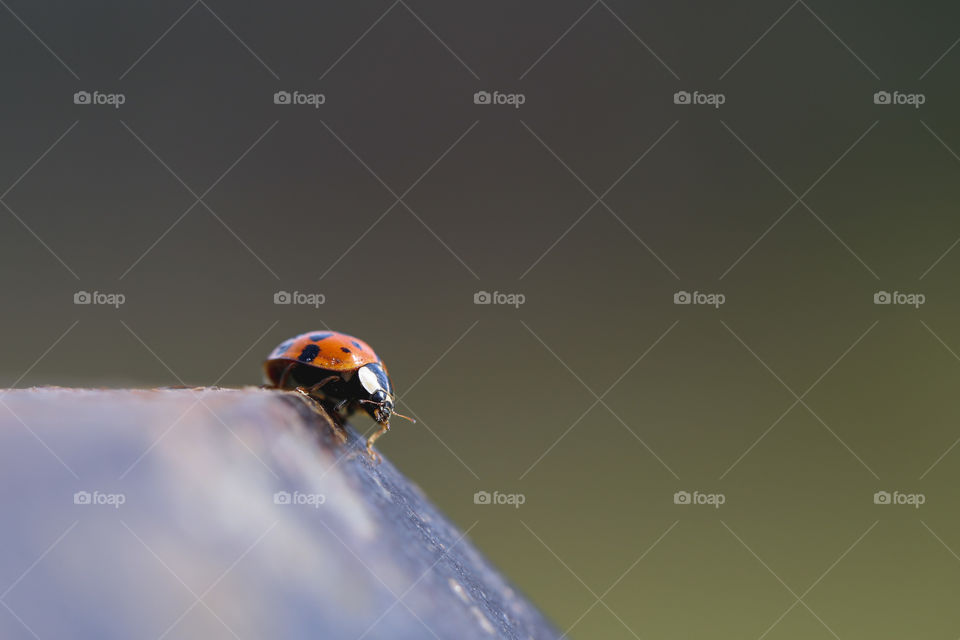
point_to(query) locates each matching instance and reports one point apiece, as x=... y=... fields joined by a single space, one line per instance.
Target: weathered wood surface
x=163 y=514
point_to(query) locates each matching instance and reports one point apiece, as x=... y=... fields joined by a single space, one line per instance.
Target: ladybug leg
x=321 y=384
x=307 y=392
x=338 y=431
x=285 y=378
x=312 y=402
x=384 y=427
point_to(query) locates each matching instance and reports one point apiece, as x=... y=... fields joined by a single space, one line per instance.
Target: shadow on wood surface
x=214 y=513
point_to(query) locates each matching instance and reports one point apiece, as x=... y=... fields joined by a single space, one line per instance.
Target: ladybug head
x=379 y=393
x=380 y=406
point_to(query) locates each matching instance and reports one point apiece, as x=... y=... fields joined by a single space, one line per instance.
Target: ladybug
x=337 y=370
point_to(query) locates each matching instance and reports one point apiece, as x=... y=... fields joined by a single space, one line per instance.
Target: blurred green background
x=497 y=198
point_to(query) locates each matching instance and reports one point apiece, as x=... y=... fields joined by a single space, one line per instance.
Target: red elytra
x=337 y=370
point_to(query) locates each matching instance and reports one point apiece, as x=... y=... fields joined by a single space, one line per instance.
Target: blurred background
x=583 y=168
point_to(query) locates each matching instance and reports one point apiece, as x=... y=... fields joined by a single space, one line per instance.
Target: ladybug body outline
x=337 y=370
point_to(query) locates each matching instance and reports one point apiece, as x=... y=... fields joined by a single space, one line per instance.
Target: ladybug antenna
x=400 y=415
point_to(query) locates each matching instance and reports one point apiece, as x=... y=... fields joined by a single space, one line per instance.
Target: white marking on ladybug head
x=369 y=380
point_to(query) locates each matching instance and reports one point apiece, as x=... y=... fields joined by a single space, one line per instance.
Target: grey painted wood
x=209 y=513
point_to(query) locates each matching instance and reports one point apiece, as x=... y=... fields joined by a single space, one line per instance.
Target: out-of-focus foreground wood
x=208 y=513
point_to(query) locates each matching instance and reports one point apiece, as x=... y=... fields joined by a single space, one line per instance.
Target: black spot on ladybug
x=344 y=349
x=309 y=353
x=317 y=337
x=356 y=344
